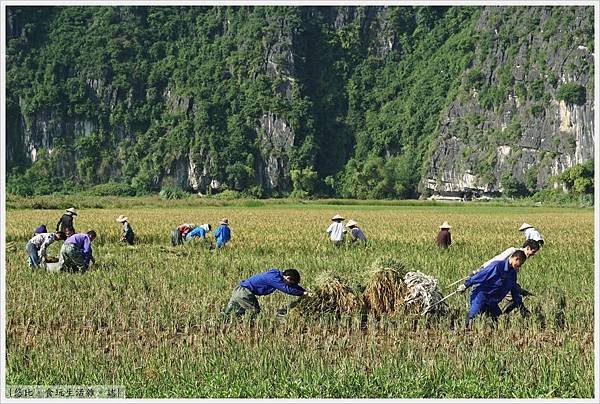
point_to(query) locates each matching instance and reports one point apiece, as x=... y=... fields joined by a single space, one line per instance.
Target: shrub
x=229 y=194
x=113 y=189
x=571 y=93
x=172 y=192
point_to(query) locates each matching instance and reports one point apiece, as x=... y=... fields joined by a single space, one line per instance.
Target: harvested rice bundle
x=389 y=263
x=423 y=293
x=385 y=291
x=331 y=295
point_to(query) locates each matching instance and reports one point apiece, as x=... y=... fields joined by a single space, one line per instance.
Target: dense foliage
x=142 y=96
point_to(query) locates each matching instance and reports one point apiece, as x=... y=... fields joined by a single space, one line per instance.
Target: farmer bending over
x=531 y=233
x=530 y=248
x=199 y=233
x=76 y=252
x=179 y=233
x=244 y=295
x=492 y=285
x=37 y=245
x=357 y=236
x=127 y=236
x=223 y=233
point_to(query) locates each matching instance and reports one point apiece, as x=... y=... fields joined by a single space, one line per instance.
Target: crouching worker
x=492 y=284
x=199 y=234
x=179 y=233
x=243 y=298
x=76 y=252
x=37 y=246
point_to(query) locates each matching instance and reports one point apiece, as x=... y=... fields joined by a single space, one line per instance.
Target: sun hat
x=525 y=226
x=351 y=223
x=337 y=217
x=71 y=211
x=224 y=221
x=122 y=218
x=445 y=225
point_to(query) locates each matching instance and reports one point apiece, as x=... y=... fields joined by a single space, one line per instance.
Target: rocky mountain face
x=527 y=131
x=254 y=112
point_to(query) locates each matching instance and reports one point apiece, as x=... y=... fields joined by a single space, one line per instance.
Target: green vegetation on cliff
x=186 y=97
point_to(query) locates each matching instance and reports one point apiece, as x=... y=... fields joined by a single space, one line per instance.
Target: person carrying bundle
x=180 y=232
x=37 y=246
x=243 y=298
x=492 y=284
x=76 y=252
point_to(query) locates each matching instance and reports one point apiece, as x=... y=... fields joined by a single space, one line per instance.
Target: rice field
x=148 y=317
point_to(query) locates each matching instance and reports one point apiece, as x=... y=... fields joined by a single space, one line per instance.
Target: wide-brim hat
x=337 y=217
x=445 y=225
x=224 y=221
x=122 y=218
x=525 y=226
x=72 y=211
x=351 y=223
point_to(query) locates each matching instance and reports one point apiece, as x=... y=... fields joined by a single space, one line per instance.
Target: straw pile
x=423 y=294
x=385 y=290
x=332 y=295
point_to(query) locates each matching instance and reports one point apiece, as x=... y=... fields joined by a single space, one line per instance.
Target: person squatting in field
x=76 y=252
x=243 y=298
x=357 y=237
x=36 y=247
x=492 y=284
x=180 y=232
x=127 y=236
x=444 y=238
x=223 y=233
x=66 y=220
x=336 y=230
x=531 y=233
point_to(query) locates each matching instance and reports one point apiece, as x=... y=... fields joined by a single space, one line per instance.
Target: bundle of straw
x=384 y=292
x=423 y=292
x=331 y=295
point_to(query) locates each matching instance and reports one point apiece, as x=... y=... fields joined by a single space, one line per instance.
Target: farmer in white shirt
x=530 y=247
x=336 y=230
x=37 y=245
x=531 y=233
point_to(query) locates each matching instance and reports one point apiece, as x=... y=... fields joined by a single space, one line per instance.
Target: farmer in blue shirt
x=492 y=284
x=244 y=295
x=76 y=252
x=223 y=233
x=198 y=232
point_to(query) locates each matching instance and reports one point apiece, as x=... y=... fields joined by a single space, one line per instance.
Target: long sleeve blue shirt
x=197 y=232
x=494 y=282
x=222 y=234
x=267 y=282
x=82 y=240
